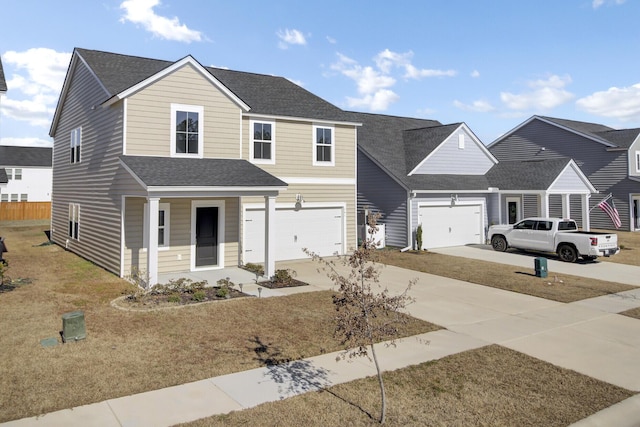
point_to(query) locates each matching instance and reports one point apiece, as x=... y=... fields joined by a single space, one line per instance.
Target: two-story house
x=29 y=173
x=163 y=166
x=609 y=157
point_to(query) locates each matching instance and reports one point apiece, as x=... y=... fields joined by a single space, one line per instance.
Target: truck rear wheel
x=499 y=243
x=567 y=253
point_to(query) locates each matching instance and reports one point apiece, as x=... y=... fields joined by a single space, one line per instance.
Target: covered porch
x=187 y=215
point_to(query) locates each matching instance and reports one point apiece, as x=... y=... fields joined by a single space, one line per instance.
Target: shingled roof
x=183 y=172
x=617 y=137
x=264 y=94
x=3 y=82
x=527 y=174
x=25 y=156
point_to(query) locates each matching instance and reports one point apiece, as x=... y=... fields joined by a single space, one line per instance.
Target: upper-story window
x=323 y=146
x=262 y=145
x=76 y=143
x=186 y=130
x=14 y=174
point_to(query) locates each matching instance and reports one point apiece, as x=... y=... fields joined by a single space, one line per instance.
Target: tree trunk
x=383 y=396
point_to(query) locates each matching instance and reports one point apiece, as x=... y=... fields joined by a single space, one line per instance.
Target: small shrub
x=255 y=268
x=622 y=247
x=224 y=288
x=174 y=297
x=419 y=237
x=283 y=276
x=199 y=296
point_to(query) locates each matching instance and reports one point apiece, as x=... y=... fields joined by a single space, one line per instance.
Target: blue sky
x=489 y=63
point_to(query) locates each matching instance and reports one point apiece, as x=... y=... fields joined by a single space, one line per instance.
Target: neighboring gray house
x=3 y=82
x=420 y=172
x=609 y=157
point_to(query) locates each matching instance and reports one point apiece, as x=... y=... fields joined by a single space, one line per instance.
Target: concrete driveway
x=586 y=336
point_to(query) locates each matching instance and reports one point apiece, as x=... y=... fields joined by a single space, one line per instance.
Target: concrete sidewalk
x=586 y=336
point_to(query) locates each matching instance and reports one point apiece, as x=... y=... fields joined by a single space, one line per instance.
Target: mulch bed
x=185 y=298
x=278 y=285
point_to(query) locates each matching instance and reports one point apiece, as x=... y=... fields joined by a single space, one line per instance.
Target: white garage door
x=444 y=226
x=320 y=230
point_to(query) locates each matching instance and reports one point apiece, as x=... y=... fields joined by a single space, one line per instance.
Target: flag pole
x=603 y=200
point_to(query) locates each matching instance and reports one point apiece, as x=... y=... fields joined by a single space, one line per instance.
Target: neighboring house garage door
x=320 y=230
x=444 y=226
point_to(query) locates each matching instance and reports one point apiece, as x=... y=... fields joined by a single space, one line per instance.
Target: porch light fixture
x=299 y=201
x=454 y=199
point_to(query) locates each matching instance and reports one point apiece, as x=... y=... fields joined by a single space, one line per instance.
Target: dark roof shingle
x=618 y=137
x=264 y=94
x=183 y=172
x=527 y=174
x=11 y=155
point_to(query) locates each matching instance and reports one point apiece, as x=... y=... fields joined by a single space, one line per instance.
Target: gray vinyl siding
x=530 y=205
x=449 y=159
x=378 y=192
x=88 y=183
x=555 y=206
x=607 y=170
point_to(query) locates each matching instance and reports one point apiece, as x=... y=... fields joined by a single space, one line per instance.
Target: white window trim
x=166 y=207
x=638 y=161
x=272 y=160
x=76 y=142
x=315 y=145
x=189 y=109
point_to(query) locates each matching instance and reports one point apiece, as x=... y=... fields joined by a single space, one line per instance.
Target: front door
x=206 y=236
x=513 y=210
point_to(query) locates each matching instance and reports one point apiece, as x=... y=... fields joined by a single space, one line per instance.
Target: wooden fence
x=18 y=211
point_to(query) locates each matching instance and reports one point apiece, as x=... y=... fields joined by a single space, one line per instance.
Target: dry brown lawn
x=132 y=352
x=491 y=386
x=556 y=287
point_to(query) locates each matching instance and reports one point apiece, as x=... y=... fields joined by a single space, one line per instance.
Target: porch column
x=566 y=206
x=544 y=205
x=586 y=222
x=153 y=205
x=269 y=235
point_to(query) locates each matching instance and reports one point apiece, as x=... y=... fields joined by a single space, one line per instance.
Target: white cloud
x=387 y=59
x=479 y=106
x=141 y=12
x=597 y=3
x=34 y=85
x=373 y=85
x=475 y=74
x=544 y=94
x=379 y=101
x=374 y=82
x=290 y=37
x=331 y=40
x=621 y=103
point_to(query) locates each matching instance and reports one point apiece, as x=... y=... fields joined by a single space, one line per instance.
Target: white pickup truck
x=553 y=235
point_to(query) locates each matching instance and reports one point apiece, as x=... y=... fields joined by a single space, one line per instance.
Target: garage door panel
x=450 y=225
x=320 y=230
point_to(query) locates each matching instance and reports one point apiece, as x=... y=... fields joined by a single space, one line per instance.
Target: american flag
x=610 y=209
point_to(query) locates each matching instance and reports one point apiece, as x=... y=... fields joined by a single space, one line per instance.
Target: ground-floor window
x=74 y=221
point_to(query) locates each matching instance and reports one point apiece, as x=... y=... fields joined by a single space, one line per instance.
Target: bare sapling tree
x=366 y=313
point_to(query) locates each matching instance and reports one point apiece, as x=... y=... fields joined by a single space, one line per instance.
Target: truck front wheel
x=567 y=253
x=499 y=243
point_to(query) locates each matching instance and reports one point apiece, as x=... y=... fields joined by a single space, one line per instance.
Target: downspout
x=410 y=196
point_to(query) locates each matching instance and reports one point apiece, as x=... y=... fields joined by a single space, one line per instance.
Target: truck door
x=542 y=236
x=520 y=236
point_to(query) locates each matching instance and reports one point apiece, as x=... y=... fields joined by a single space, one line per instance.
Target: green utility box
x=541 y=267
x=73 y=328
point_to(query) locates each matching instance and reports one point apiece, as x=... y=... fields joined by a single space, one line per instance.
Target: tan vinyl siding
x=295 y=150
x=177 y=257
x=149 y=115
x=89 y=182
